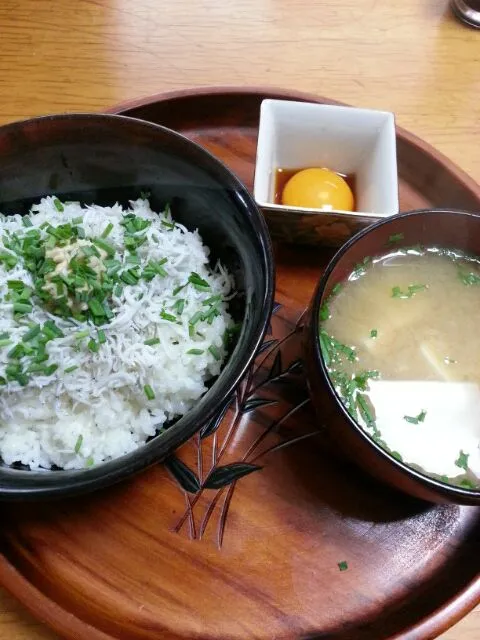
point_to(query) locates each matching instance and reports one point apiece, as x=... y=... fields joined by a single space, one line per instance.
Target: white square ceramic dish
x=350 y=141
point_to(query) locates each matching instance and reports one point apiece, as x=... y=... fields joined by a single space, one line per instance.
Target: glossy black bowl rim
x=79 y=481
x=456 y=494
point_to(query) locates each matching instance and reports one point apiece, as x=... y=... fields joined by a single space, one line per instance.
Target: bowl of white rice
x=136 y=283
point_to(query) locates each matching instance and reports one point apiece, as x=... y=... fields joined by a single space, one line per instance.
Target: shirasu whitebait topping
x=112 y=321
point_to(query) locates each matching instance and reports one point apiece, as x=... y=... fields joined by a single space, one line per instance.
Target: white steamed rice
x=100 y=410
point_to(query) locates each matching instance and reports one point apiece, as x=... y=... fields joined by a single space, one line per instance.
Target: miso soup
x=401 y=342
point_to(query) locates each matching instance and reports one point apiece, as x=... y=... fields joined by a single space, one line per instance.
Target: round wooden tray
x=256 y=528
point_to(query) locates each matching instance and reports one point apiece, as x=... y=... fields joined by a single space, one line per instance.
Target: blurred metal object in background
x=468 y=11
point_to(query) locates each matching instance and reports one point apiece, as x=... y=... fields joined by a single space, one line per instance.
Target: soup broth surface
x=401 y=340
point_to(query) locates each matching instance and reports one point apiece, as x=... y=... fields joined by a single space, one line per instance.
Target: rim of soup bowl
x=455 y=494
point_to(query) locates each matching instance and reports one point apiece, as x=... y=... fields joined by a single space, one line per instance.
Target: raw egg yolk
x=318 y=189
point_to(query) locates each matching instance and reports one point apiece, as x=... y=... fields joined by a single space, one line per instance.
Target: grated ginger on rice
x=100 y=386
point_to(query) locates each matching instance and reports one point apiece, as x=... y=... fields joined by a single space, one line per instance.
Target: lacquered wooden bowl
x=451 y=229
x=104 y=159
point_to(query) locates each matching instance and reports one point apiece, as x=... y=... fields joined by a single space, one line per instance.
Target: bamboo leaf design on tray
x=215 y=422
x=185 y=477
x=294 y=367
x=276 y=368
x=266 y=345
x=220 y=438
x=223 y=476
x=275 y=308
x=256 y=403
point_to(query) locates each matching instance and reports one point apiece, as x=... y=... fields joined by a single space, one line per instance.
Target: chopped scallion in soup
x=401 y=344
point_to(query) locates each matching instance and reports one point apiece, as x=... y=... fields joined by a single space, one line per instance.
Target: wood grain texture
x=112 y=576
x=409 y=57
x=141 y=560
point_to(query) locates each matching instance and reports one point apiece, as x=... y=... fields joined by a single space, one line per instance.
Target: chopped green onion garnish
x=198 y=282
x=113 y=266
x=13 y=369
x=51 y=243
x=179 y=306
x=211 y=314
x=469 y=278
x=58 y=205
x=462 y=460
x=9 y=259
x=102 y=338
x=396 y=237
x=105 y=246
x=215 y=352
x=361 y=268
x=96 y=308
x=21 y=378
x=89 y=461
x=118 y=290
x=90 y=250
x=36 y=367
x=51 y=369
x=178 y=289
x=416 y=419
x=132 y=259
x=151 y=341
x=108 y=311
x=362 y=378
x=414 y=288
x=411 y=291
x=16 y=285
x=50 y=325
x=373 y=333
x=32 y=333
x=107 y=230
x=70 y=369
x=168 y=316
x=5 y=342
x=49 y=333
x=26 y=221
x=212 y=300
x=78 y=444
x=149 y=392
x=4 y=335
x=195 y=352
x=324 y=312
x=82 y=334
x=196 y=317
x=364 y=410
x=343 y=566
x=93 y=345
x=22 y=308
x=129 y=277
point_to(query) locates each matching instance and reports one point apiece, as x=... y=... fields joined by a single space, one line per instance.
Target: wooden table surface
x=410 y=57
